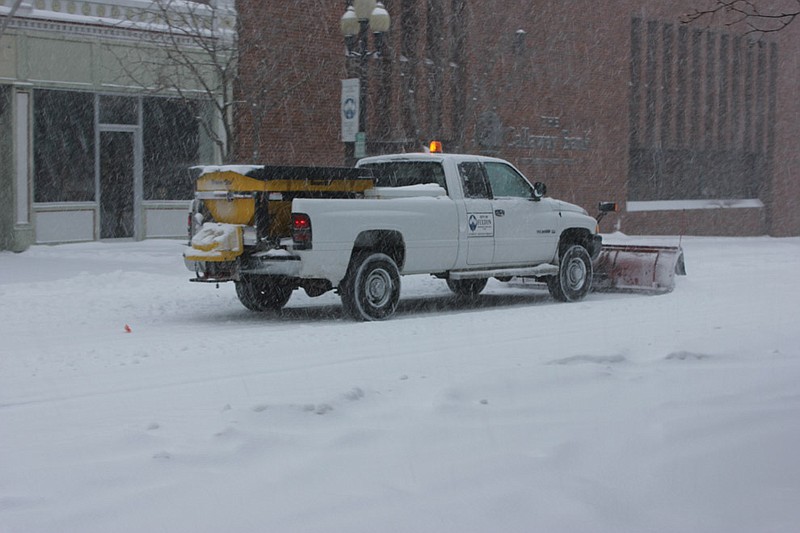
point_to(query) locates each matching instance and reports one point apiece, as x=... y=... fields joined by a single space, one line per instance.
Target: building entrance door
x=117 y=192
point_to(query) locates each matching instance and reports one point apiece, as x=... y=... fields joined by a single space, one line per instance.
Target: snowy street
x=132 y=400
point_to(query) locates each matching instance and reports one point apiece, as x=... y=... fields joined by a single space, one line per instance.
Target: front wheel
x=263 y=293
x=574 y=278
x=371 y=287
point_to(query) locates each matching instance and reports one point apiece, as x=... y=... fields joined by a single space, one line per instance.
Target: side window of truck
x=473 y=180
x=507 y=182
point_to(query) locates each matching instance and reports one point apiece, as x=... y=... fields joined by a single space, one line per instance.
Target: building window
x=722 y=140
x=64 y=143
x=119 y=110
x=63 y=146
x=171 y=145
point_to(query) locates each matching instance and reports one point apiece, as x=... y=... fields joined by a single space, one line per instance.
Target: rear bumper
x=214 y=271
x=269 y=264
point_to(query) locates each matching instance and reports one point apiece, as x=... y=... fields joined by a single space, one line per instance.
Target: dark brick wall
x=290 y=72
x=575 y=93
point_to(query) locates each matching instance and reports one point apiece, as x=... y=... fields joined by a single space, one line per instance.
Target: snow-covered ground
x=624 y=412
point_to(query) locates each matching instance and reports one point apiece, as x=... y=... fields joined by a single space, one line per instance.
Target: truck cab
x=503 y=218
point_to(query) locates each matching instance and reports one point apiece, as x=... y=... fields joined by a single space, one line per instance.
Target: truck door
x=477 y=224
x=524 y=229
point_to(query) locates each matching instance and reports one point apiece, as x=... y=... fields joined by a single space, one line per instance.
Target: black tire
x=574 y=279
x=263 y=293
x=371 y=287
x=467 y=288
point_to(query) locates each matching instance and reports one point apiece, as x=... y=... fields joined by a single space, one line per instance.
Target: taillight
x=301 y=231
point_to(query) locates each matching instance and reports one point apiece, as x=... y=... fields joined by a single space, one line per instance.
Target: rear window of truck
x=406 y=173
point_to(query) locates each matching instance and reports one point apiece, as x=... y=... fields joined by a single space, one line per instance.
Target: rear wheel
x=263 y=293
x=468 y=288
x=371 y=287
x=574 y=278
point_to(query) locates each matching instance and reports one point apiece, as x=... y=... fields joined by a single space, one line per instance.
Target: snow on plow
x=630 y=267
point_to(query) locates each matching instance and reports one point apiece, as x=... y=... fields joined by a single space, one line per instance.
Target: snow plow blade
x=638 y=268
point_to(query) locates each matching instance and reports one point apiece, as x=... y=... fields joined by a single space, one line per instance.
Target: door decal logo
x=480 y=225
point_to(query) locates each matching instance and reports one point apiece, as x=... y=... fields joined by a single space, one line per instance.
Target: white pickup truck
x=462 y=218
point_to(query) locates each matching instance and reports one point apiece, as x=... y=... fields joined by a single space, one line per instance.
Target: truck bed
x=261 y=195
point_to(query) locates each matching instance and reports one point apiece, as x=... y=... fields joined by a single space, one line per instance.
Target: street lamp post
x=356 y=22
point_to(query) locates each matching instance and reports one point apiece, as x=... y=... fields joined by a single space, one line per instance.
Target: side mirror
x=607 y=207
x=604 y=208
x=539 y=190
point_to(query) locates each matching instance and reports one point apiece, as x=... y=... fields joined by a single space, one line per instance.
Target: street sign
x=361 y=145
x=350 y=110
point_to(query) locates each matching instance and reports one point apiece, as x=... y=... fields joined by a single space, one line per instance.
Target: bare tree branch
x=191 y=52
x=187 y=49
x=758 y=16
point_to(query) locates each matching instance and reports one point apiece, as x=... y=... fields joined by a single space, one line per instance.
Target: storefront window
x=118 y=110
x=64 y=143
x=63 y=146
x=171 y=143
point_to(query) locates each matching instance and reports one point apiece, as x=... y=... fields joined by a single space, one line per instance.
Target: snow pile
x=407 y=191
x=214 y=237
x=238 y=169
x=512 y=413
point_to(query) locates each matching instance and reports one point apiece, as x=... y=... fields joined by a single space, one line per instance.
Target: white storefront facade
x=92 y=146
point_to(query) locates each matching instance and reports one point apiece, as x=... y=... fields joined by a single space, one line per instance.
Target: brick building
x=691 y=127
